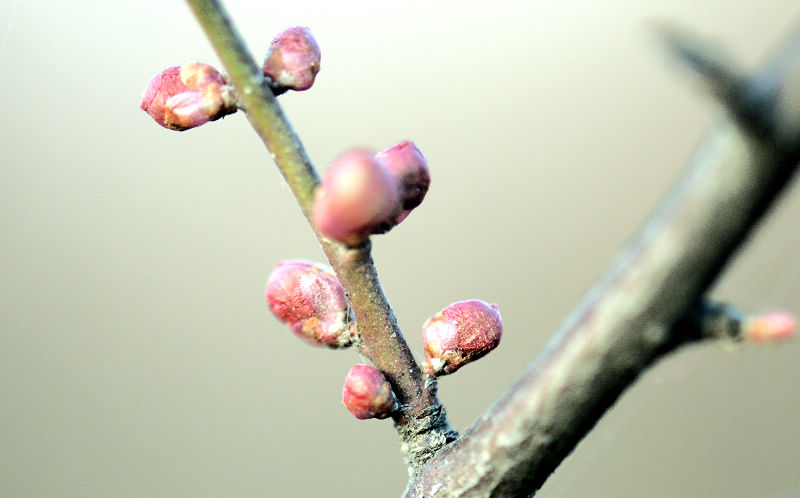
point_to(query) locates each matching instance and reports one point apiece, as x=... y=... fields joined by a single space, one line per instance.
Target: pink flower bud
x=356 y=196
x=182 y=97
x=459 y=334
x=309 y=299
x=771 y=327
x=367 y=393
x=407 y=164
x=292 y=60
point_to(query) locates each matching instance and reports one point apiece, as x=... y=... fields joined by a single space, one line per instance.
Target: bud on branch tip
x=462 y=332
x=186 y=96
x=292 y=60
x=367 y=393
x=770 y=327
x=308 y=298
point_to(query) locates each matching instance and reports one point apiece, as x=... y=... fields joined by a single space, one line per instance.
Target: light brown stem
x=421 y=423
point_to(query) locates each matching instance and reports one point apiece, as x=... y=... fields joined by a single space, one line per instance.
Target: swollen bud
x=459 y=334
x=407 y=164
x=367 y=393
x=356 y=196
x=182 y=97
x=309 y=299
x=292 y=60
x=770 y=327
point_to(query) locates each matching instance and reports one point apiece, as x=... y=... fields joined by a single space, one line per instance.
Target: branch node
x=424 y=435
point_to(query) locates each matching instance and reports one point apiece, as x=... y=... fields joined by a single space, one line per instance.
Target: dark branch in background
x=421 y=423
x=646 y=306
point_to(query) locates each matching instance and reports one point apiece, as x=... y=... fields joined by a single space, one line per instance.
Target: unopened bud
x=407 y=164
x=309 y=299
x=356 y=196
x=770 y=327
x=367 y=393
x=183 y=97
x=292 y=60
x=459 y=334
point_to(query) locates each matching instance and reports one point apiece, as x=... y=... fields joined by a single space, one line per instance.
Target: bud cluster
x=308 y=298
x=364 y=193
x=190 y=95
x=361 y=194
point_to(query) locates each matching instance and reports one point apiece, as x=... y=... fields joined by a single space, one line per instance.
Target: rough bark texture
x=629 y=319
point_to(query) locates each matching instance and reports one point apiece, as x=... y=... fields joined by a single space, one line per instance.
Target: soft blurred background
x=138 y=357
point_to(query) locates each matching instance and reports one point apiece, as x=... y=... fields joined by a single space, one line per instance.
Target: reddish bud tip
x=771 y=327
x=356 y=196
x=459 y=334
x=407 y=164
x=292 y=60
x=182 y=97
x=309 y=299
x=367 y=393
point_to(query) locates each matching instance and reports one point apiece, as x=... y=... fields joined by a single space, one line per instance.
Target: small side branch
x=383 y=342
x=633 y=316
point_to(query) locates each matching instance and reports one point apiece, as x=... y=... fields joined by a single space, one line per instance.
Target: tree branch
x=421 y=423
x=629 y=319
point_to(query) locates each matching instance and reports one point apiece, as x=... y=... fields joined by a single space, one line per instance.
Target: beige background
x=138 y=357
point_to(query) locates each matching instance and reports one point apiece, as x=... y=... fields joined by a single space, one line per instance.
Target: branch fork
x=651 y=302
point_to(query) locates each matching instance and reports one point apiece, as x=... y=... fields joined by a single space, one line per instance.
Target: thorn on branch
x=750 y=101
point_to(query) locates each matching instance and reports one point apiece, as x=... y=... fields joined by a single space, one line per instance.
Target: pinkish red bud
x=770 y=327
x=182 y=97
x=367 y=393
x=407 y=164
x=292 y=60
x=309 y=299
x=356 y=196
x=459 y=334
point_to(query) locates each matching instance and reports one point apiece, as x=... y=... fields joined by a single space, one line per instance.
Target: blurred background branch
x=628 y=320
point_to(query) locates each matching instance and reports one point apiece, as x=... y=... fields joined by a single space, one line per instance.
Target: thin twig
x=628 y=320
x=383 y=342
